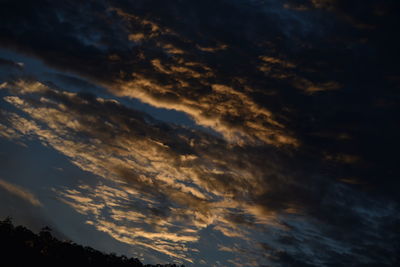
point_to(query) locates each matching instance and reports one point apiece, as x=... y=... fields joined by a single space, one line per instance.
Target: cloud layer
x=296 y=165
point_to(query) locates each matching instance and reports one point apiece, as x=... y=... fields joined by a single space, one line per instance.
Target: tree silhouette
x=20 y=247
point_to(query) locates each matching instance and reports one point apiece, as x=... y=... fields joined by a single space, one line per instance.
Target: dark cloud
x=303 y=94
x=10 y=64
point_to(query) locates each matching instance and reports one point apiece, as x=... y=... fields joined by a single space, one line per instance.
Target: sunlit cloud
x=277 y=162
x=20 y=192
x=178 y=188
x=218 y=111
x=162 y=184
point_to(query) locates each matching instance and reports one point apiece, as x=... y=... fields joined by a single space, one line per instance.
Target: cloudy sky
x=205 y=132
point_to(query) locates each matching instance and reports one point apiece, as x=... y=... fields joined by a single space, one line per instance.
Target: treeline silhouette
x=19 y=246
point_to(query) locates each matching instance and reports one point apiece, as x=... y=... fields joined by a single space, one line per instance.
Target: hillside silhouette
x=19 y=246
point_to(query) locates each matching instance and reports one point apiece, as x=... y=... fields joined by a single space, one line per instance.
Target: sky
x=205 y=133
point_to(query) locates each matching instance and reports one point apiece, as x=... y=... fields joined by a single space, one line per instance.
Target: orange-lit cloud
x=179 y=181
x=20 y=192
x=219 y=111
x=290 y=171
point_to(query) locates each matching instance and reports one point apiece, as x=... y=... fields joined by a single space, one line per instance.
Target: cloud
x=157 y=168
x=164 y=184
x=11 y=64
x=164 y=83
x=20 y=192
x=300 y=96
x=226 y=111
x=175 y=175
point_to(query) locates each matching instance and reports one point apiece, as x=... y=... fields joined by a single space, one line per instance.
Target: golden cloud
x=160 y=187
x=20 y=192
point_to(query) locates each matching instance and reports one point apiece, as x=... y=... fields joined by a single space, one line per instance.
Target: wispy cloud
x=302 y=170
x=20 y=192
x=164 y=184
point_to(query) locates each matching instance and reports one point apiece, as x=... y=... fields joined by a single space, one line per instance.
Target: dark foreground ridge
x=21 y=247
